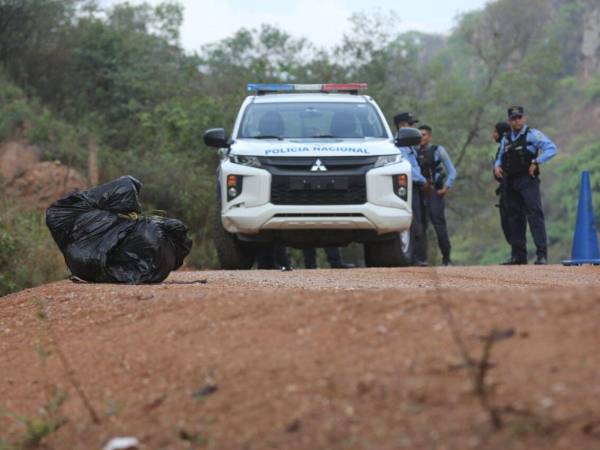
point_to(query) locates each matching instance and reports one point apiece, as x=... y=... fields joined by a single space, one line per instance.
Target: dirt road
x=322 y=359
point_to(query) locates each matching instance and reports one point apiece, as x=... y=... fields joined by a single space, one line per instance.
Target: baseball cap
x=405 y=117
x=515 y=111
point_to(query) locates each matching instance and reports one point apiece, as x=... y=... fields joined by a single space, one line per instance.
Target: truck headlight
x=387 y=160
x=400 y=183
x=244 y=160
x=234 y=186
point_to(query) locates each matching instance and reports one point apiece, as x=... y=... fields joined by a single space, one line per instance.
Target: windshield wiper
x=266 y=136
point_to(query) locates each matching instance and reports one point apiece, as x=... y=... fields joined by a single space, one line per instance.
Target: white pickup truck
x=312 y=166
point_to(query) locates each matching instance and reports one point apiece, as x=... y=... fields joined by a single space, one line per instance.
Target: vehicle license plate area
x=318 y=183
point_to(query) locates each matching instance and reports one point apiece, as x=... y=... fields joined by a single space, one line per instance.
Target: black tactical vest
x=516 y=158
x=430 y=168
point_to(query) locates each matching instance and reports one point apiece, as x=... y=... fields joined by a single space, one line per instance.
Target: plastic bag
x=103 y=238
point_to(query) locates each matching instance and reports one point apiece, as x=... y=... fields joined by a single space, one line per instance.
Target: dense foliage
x=70 y=70
x=28 y=255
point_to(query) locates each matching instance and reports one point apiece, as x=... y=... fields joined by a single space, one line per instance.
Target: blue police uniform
x=437 y=167
x=517 y=152
x=417 y=230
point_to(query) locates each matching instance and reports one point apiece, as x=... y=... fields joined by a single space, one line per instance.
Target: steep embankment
x=35 y=183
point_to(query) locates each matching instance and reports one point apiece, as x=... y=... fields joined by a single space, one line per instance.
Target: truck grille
x=293 y=183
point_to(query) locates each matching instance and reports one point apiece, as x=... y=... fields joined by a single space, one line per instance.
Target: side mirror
x=216 y=137
x=407 y=137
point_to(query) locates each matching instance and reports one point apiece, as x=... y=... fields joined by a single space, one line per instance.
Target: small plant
x=480 y=371
x=478 y=368
x=47 y=421
x=40 y=311
x=42 y=352
x=195 y=439
x=113 y=408
x=42 y=316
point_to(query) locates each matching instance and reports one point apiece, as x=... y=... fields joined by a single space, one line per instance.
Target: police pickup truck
x=312 y=166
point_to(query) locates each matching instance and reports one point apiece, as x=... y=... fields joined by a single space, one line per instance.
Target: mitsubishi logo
x=318 y=166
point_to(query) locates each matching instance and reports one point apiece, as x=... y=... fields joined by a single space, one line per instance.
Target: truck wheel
x=233 y=254
x=395 y=252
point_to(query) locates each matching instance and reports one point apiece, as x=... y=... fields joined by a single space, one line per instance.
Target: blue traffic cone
x=585 y=241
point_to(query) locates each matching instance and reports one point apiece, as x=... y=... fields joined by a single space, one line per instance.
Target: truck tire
x=395 y=252
x=232 y=254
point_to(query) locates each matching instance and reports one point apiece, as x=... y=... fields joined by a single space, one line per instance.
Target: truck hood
x=310 y=147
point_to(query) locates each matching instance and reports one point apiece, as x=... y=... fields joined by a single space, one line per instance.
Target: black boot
x=514 y=262
x=342 y=265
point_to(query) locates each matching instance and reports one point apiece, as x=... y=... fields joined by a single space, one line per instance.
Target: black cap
x=515 y=111
x=405 y=117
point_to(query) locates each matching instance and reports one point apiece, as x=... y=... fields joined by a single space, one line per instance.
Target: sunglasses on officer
x=516 y=118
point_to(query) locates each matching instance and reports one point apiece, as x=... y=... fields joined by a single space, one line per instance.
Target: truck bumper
x=251 y=212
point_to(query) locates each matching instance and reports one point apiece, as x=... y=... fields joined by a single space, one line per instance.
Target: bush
x=24 y=118
x=28 y=255
x=592 y=89
x=7 y=253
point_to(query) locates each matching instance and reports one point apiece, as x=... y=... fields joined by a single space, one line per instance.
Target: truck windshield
x=317 y=120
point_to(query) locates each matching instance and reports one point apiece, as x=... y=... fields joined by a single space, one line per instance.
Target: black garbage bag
x=154 y=248
x=104 y=238
x=117 y=196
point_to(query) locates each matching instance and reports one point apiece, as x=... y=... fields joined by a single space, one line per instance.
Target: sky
x=323 y=22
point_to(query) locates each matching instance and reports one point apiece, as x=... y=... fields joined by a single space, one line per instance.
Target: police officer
x=334 y=258
x=437 y=168
x=521 y=153
x=417 y=230
x=499 y=131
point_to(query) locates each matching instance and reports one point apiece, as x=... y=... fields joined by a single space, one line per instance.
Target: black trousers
x=520 y=221
x=523 y=197
x=417 y=227
x=270 y=256
x=310 y=256
x=435 y=212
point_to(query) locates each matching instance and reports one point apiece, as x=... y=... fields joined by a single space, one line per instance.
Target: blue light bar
x=261 y=88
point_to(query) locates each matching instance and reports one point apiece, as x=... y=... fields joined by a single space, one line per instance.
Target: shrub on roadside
x=28 y=255
x=25 y=118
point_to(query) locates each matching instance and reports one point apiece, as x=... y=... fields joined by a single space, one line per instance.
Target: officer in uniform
x=521 y=153
x=417 y=230
x=437 y=168
x=498 y=133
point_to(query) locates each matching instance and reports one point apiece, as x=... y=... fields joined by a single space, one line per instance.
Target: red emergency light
x=341 y=87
